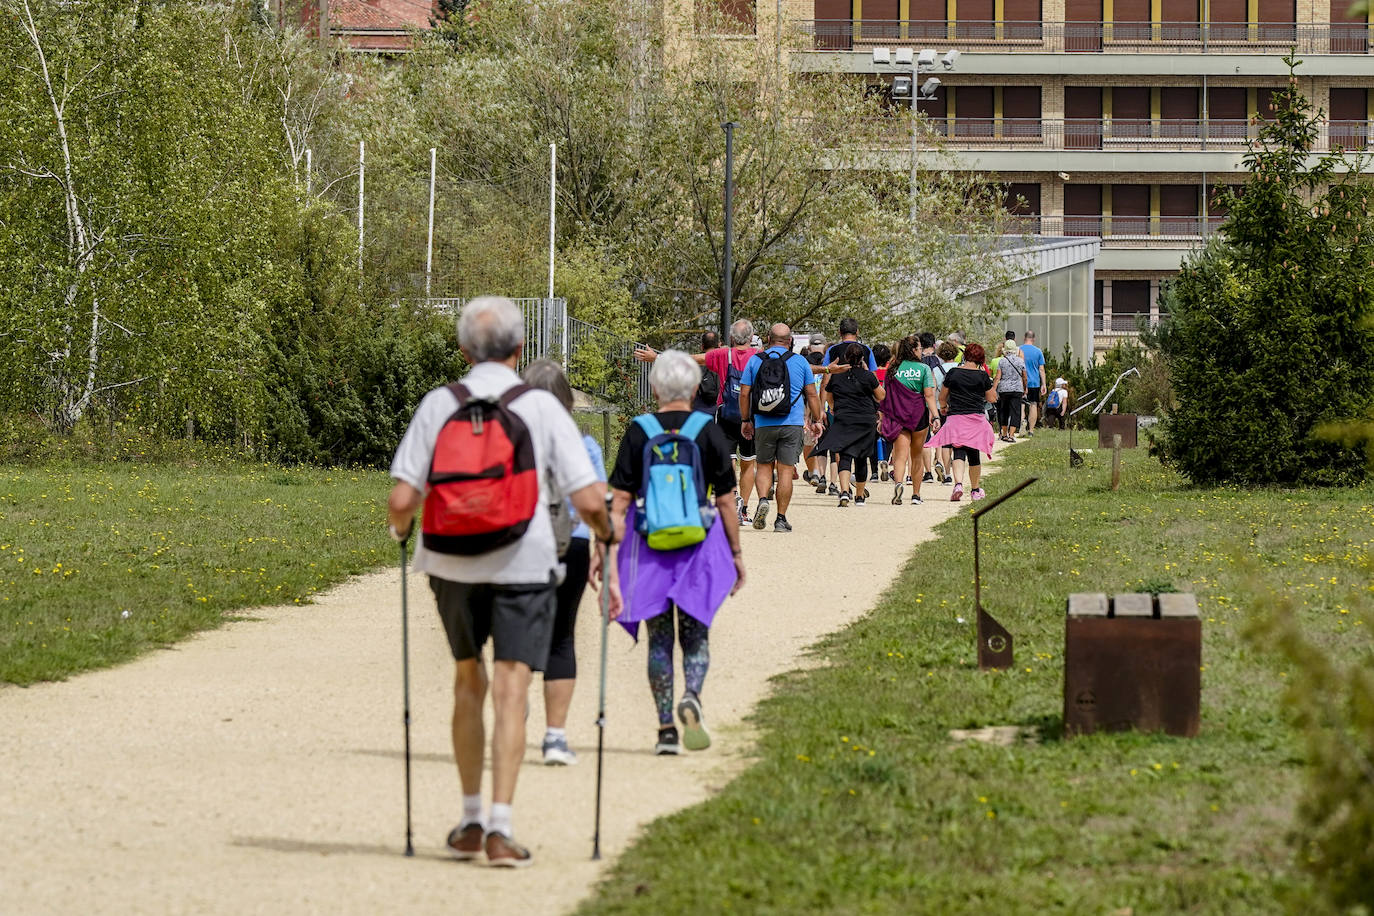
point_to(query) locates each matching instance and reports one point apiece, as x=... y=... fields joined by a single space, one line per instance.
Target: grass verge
x=860 y=801
x=99 y=562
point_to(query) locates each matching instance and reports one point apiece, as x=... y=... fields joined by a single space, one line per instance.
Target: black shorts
x=735 y=437
x=517 y=618
x=1033 y=395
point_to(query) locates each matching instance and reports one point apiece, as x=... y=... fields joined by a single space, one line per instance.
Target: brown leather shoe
x=503 y=852
x=465 y=843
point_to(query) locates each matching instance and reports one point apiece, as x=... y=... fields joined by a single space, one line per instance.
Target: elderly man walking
x=486 y=457
x=772 y=390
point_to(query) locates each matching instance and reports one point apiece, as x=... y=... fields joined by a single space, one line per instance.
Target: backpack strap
x=513 y=392
x=694 y=425
x=649 y=423
x=460 y=391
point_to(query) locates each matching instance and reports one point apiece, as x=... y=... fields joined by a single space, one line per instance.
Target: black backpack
x=771 y=394
x=708 y=392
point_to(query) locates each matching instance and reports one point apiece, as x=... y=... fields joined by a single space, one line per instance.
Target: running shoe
x=465 y=842
x=834 y=490
x=948 y=480
x=860 y=501
x=958 y=493
x=739 y=504
x=927 y=477
x=806 y=476
x=939 y=469
x=504 y=852
x=820 y=484
x=761 y=515
x=896 y=494
x=694 y=734
x=884 y=474
x=1030 y=433
x=668 y=745
x=779 y=524
x=976 y=494
x=908 y=480
x=844 y=500
x=744 y=519
x=916 y=499
x=557 y=753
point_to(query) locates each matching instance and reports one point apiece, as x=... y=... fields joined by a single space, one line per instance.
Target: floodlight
x=901 y=87
x=926 y=58
x=929 y=86
x=882 y=56
x=949 y=59
x=903 y=57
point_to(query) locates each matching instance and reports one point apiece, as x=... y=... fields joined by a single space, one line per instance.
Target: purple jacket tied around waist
x=697 y=579
x=903 y=410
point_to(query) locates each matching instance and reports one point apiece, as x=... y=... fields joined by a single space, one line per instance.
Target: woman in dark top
x=674 y=380
x=853 y=434
x=965 y=394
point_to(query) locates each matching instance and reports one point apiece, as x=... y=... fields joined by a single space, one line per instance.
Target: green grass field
x=175 y=548
x=860 y=802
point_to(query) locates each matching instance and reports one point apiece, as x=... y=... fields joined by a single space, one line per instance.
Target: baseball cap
x=817 y=339
x=1059 y=381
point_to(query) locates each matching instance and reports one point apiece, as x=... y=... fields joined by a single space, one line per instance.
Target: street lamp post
x=907 y=87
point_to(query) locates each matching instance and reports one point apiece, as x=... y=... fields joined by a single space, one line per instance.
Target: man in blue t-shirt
x=778 y=439
x=1035 y=380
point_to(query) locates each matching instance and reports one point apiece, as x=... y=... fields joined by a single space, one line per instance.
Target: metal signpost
x=994 y=642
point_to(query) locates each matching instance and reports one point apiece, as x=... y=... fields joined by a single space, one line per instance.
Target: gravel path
x=257 y=768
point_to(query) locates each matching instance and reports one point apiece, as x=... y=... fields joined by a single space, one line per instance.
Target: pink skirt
x=969 y=430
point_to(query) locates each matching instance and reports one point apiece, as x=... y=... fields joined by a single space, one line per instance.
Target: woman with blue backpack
x=673 y=486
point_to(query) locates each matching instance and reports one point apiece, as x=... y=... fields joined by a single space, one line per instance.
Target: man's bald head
x=780 y=334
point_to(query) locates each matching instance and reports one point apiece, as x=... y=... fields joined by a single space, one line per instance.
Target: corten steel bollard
x=1132 y=662
x=994 y=642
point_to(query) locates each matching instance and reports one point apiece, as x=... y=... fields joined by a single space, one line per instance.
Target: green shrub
x=1265 y=343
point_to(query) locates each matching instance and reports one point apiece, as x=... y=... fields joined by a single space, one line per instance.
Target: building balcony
x=1263 y=38
x=1127 y=325
x=1126 y=231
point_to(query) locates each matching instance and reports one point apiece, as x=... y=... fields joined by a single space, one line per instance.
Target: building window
x=725 y=17
x=1130 y=297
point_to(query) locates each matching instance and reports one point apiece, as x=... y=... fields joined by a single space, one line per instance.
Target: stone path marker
x=1132 y=662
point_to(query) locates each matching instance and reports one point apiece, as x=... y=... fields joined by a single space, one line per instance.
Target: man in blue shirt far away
x=777 y=434
x=1035 y=380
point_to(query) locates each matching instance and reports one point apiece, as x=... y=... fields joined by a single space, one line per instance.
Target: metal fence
x=1122 y=325
x=1122 y=134
x=598 y=361
x=1123 y=231
x=1089 y=37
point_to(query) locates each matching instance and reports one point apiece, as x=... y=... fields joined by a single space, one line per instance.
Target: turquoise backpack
x=672 y=510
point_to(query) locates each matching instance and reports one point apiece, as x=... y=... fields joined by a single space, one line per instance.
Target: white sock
x=553 y=734
x=500 y=820
x=472 y=809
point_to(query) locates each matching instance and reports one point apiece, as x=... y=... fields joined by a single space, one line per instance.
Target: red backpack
x=483 y=483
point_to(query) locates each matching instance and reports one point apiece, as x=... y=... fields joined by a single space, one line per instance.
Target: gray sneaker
x=557 y=753
x=761 y=515
x=779 y=524
x=694 y=734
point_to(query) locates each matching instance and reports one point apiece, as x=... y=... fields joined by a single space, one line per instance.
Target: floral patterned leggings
x=696 y=658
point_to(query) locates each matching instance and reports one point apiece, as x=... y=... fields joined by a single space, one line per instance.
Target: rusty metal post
x=1116 y=462
x=994 y=641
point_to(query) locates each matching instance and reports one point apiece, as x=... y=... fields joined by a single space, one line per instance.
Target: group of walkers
x=513 y=496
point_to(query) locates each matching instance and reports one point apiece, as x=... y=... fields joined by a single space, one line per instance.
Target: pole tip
x=410 y=851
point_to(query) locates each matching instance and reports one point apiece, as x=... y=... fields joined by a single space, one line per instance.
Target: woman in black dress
x=853 y=434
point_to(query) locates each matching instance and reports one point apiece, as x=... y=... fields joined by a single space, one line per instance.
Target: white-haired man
x=505 y=592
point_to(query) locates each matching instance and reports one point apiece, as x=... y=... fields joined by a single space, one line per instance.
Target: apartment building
x=1107 y=118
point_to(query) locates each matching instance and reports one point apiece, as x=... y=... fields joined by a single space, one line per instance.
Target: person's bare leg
x=510 y=685
x=958 y=471
x=918 y=447
x=784 y=482
x=763 y=480
x=746 y=478
x=901 y=454
x=1034 y=414
x=469 y=738
x=975 y=474
x=557 y=699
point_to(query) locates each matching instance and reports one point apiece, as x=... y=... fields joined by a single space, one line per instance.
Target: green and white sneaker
x=694 y=734
x=761 y=515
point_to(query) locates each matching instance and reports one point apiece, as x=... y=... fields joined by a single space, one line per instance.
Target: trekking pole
x=405 y=680
x=601 y=705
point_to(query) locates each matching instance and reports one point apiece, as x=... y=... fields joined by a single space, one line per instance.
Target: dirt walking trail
x=258 y=768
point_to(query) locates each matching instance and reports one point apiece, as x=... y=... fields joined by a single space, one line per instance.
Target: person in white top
x=507 y=593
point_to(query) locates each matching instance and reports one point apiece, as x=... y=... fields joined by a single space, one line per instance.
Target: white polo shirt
x=558 y=454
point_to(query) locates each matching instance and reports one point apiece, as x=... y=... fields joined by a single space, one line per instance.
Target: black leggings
x=858 y=465
x=562 y=664
x=971 y=455
x=1009 y=408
